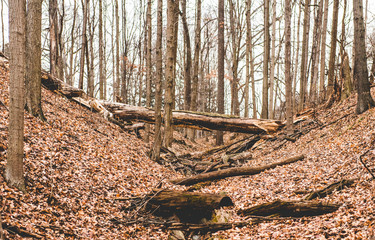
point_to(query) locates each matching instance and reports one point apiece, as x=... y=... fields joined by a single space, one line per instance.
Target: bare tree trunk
x=315 y=54
x=322 y=96
x=148 y=63
x=332 y=56
x=197 y=49
x=252 y=69
x=288 y=77
x=266 y=59
x=116 y=85
x=83 y=44
x=17 y=65
x=158 y=88
x=273 y=60
x=248 y=46
x=54 y=38
x=297 y=59
x=187 y=73
x=33 y=58
x=365 y=100
x=71 y=67
x=90 y=53
x=2 y=26
x=172 y=21
x=101 y=53
x=220 y=80
x=305 y=47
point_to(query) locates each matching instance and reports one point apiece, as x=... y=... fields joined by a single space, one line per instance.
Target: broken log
x=329 y=189
x=187 y=206
x=237 y=171
x=52 y=83
x=197 y=120
x=290 y=209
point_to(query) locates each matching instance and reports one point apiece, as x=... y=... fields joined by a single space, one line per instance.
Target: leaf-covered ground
x=77 y=165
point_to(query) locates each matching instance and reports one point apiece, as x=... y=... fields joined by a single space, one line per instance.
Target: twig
x=364 y=164
x=3 y=104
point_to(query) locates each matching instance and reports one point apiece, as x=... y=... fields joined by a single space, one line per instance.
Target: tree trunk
x=231 y=172
x=297 y=57
x=220 y=66
x=305 y=47
x=116 y=79
x=101 y=54
x=172 y=18
x=273 y=61
x=158 y=83
x=196 y=120
x=266 y=59
x=315 y=55
x=332 y=56
x=17 y=65
x=83 y=45
x=322 y=96
x=71 y=67
x=187 y=72
x=54 y=38
x=197 y=49
x=148 y=62
x=288 y=77
x=364 y=99
x=33 y=58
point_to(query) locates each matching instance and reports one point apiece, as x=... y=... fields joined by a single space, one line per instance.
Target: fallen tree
x=290 y=209
x=231 y=172
x=187 y=206
x=197 y=120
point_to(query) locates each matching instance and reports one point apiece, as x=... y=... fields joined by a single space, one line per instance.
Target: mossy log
x=197 y=120
x=187 y=206
x=231 y=172
x=329 y=189
x=290 y=209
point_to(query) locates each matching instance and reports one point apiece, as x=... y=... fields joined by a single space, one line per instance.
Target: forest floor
x=77 y=164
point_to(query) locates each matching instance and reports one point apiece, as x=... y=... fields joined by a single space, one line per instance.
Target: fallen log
x=290 y=209
x=237 y=171
x=329 y=189
x=52 y=83
x=197 y=120
x=187 y=206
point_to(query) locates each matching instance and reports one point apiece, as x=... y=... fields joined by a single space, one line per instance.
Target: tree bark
x=158 y=83
x=172 y=20
x=364 y=99
x=54 y=38
x=83 y=45
x=322 y=96
x=273 y=61
x=33 y=58
x=102 y=76
x=187 y=68
x=305 y=47
x=290 y=209
x=196 y=120
x=288 y=77
x=220 y=66
x=266 y=59
x=315 y=55
x=17 y=65
x=332 y=56
x=239 y=171
x=71 y=67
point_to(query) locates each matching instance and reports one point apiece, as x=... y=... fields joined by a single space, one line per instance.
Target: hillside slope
x=77 y=164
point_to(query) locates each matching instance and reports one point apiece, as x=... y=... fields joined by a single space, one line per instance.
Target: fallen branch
x=290 y=209
x=329 y=189
x=364 y=164
x=238 y=171
x=21 y=232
